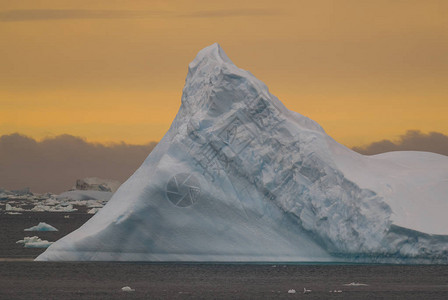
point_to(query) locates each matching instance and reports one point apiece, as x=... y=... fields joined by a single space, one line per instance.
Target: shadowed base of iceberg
x=412 y=247
x=184 y=258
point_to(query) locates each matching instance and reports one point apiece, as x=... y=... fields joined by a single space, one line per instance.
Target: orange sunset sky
x=111 y=70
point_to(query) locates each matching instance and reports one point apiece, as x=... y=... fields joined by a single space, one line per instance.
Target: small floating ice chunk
x=93 y=211
x=63 y=207
x=355 y=284
x=42 y=226
x=127 y=289
x=41 y=244
x=28 y=239
x=291 y=291
x=34 y=242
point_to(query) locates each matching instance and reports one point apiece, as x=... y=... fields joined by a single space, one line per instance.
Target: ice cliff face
x=238 y=177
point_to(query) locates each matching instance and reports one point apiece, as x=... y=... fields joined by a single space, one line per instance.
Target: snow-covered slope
x=414 y=184
x=238 y=177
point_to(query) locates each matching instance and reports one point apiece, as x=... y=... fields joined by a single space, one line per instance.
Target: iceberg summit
x=240 y=178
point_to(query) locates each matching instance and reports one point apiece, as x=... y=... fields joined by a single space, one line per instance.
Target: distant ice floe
x=9 y=207
x=291 y=291
x=355 y=284
x=81 y=195
x=62 y=207
x=34 y=242
x=127 y=289
x=89 y=192
x=42 y=226
x=97 y=184
x=64 y=202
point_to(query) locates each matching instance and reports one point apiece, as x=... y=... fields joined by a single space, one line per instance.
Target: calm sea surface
x=33 y=280
x=21 y=278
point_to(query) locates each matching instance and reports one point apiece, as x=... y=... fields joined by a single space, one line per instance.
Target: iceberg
x=240 y=178
x=127 y=289
x=39 y=244
x=42 y=226
x=34 y=242
x=97 y=184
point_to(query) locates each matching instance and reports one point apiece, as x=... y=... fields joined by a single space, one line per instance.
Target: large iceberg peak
x=258 y=146
x=213 y=53
x=238 y=177
x=215 y=84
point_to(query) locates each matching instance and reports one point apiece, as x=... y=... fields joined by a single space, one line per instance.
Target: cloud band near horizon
x=412 y=140
x=20 y=15
x=54 y=164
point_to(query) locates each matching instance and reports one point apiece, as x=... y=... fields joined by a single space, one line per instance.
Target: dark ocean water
x=33 y=280
x=21 y=278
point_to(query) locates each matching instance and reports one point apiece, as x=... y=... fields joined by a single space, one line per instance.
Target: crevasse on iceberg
x=238 y=177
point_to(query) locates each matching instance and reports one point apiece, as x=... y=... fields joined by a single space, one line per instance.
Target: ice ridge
x=255 y=139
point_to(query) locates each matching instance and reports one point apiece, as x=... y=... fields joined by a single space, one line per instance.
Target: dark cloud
x=63 y=14
x=54 y=164
x=413 y=140
x=230 y=13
